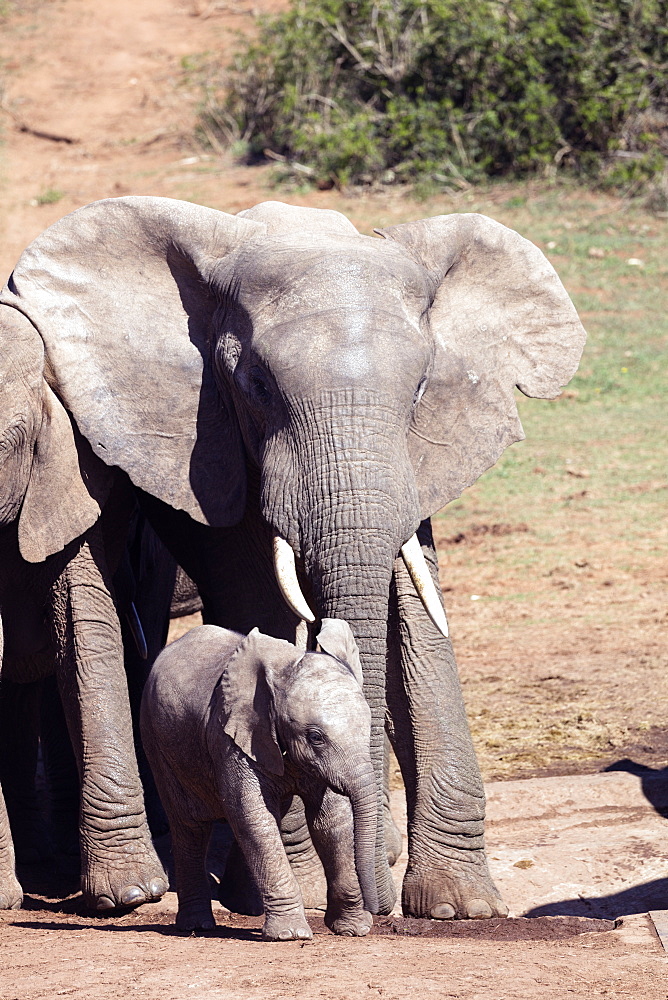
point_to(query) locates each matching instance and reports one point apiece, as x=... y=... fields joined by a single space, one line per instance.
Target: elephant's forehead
x=325 y=696
x=296 y=276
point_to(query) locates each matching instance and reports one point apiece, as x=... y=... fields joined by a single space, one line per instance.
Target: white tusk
x=416 y=564
x=286 y=575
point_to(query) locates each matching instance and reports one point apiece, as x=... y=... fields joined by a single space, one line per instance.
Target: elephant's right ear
x=247 y=692
x=120 y=293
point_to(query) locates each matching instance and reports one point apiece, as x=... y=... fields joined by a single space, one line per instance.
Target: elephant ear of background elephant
x=500 y=318
x=281 y=219
x=118 y=292
x=246 y=690
x=336 y=638
x=64 y=494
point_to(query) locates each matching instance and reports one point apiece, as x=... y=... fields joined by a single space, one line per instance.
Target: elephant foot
x=354 y=923
x=111 y=884
x=464 y=890
x=11 y=894
x=286 y=927
x=195 y=917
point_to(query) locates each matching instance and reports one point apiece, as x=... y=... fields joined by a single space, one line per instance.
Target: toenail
x=104 y=903
x=157 y=887
x=285 y=935
x=131 y=894
x=479 y=909
x=443 y=911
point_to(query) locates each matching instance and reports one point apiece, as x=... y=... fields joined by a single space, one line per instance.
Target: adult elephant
x=316 y=395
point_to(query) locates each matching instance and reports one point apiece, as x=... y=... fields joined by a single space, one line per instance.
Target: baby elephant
x=233 y=726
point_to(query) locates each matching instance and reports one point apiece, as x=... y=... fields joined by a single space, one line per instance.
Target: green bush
x=404 y=89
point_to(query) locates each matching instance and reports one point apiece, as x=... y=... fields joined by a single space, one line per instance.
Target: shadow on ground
x=638 y=898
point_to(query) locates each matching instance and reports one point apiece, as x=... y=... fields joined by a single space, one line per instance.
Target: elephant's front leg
x=253 y=814
x=11 y=894
x=447 y=874
x=119 y=866
x=331 y=824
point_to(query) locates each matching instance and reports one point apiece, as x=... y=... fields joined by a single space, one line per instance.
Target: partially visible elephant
x=148 y=588
x=63 y=523
x=234 y=726
x=312 y=395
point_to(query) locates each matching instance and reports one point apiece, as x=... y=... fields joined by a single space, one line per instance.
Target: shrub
x=355 y=89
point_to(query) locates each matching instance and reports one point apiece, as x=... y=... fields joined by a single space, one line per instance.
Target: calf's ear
x=247 y=690
x=336 y=638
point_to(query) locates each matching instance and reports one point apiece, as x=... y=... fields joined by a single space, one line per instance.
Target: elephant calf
x=233 y=727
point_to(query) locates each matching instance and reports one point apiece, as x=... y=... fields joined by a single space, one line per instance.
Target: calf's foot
x=463 y=890
x=286 y=927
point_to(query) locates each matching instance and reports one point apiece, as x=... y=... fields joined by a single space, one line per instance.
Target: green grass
x=50 y=197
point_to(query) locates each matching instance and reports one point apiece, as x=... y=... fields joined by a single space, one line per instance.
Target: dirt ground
x=564 y=669
x=582 y=858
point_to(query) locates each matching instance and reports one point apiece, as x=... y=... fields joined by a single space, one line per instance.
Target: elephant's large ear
x=66 y=484
x=336 y=638
x=119 y=292
x=67 y=488
x=247 y=689
x=500 y=318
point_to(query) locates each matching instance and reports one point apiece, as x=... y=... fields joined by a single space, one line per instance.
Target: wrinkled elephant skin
x=234 y=727
x=278 y=374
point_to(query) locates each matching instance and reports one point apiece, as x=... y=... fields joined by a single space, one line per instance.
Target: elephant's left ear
x=500 y=318
x=336 y=638
x=248 y=688
x=121 y=294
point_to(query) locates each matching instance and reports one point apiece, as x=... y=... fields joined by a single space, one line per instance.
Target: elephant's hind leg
x=118 y=863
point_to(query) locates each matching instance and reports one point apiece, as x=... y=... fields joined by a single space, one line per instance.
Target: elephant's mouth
x=411 y=552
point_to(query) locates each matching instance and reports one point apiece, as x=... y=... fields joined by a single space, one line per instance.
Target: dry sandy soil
x=110 y=75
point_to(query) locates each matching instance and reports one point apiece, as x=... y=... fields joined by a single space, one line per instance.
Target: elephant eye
x=315 y=737
x=417 y=396
x=258 y=385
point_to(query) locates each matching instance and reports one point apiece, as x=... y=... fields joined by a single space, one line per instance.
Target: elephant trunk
x=361 y=790
x=351 y=585
x=354 y=508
